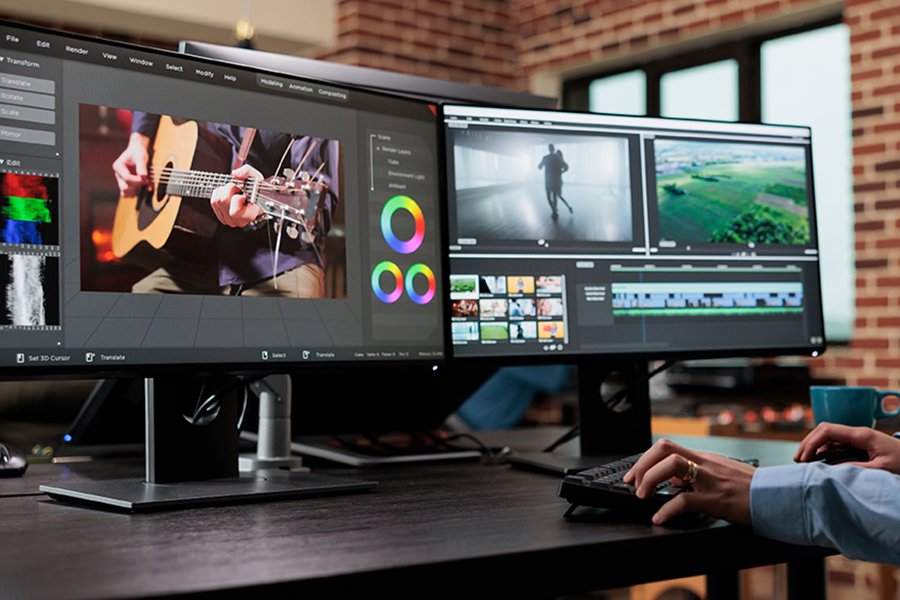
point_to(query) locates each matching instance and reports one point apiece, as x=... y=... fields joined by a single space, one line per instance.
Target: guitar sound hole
x=161 y=187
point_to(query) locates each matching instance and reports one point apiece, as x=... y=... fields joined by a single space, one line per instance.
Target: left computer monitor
x=132 y=246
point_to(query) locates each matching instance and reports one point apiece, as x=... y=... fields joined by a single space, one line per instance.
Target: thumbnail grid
x=507 y=308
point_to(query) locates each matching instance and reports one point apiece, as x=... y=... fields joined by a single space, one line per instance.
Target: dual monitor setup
x=168 y=216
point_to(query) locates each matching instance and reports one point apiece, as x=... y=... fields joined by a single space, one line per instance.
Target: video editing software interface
x=574 y=233
x=112 y=256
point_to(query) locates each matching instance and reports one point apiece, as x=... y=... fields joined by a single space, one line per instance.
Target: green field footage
x=731 y=193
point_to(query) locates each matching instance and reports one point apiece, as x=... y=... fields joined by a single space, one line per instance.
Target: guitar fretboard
x=196 y=184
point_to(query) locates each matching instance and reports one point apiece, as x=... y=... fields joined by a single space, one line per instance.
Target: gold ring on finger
x=692 y=471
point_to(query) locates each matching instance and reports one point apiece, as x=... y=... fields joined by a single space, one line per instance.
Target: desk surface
x=451 y=525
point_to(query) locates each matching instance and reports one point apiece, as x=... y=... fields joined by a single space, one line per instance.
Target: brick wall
x=875 y=65
x=473 y=41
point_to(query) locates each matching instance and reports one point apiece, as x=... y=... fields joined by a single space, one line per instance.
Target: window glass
x=623 y=94
x=705 y=92
x=806 y=81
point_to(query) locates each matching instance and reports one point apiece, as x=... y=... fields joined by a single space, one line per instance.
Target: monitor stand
x=326 y=449
x=606 y=433
x=193 y=464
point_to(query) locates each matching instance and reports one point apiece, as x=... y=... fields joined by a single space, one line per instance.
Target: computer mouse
x=841 y=454
x=12 y=462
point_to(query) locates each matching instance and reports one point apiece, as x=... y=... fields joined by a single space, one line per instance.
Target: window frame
x=746 y=51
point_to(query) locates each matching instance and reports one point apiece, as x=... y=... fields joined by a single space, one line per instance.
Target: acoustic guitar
x=173 y=218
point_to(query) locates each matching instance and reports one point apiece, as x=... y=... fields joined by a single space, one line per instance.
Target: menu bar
x=38 y=44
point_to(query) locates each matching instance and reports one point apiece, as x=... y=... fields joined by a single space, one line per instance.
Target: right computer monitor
x=608 y=241
x=577 y=235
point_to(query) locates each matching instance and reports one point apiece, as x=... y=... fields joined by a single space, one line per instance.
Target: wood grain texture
x=446 y=527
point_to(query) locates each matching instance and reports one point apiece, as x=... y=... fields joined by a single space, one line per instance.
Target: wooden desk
x=437 y=530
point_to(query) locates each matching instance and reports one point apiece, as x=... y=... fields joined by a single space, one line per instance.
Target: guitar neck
x=197 y=184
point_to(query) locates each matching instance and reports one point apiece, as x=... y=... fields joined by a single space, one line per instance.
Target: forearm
x=851 y=509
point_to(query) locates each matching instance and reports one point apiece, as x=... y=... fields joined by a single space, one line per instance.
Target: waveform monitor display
x=29 y=207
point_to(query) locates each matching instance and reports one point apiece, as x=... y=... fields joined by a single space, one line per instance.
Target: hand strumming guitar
x=230 y=204
x=131 y=166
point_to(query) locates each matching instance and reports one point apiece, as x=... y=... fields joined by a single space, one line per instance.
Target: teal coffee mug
x=853 y=406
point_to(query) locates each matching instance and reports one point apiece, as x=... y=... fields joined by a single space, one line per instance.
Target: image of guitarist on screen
x=247 y=254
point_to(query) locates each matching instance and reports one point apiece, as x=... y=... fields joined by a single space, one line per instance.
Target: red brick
x=892 y=165
x=873 y=34
x=868 y=112
x=871 y=302
x=884 y=14
x=732 y=17
x=888 y=244
x=872 y=74
x=889 y=321
x=879 y=382
x=869 y=187
x=869 y=226
x=886 y=52
x=870 y=343
x=886 y=127
x=849 y=363
x=766 y=9
x=888 y=282
x=871 y=149
x=889 y=89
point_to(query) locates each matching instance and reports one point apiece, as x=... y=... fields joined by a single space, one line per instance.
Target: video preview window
x=513 y=185
x=716 y=192
x=148 y=224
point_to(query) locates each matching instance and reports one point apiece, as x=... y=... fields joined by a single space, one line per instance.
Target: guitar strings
x=201 y=178
x=188 y=178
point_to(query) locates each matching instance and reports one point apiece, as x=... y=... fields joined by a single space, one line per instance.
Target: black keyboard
x=602 y=487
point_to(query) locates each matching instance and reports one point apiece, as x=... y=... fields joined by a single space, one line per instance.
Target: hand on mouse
x=884 y=450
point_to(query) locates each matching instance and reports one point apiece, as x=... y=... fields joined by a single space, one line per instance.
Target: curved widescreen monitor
x=325 y=249
x=575 y=235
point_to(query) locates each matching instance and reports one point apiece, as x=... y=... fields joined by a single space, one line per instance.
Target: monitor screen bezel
x=587 y=359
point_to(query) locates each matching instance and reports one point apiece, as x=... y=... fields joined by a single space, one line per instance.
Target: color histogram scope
x=28 y=209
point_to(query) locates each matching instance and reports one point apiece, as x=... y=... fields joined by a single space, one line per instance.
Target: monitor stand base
x=558 y=462
x=325 y=449
x=190 y=464
x=136 y=495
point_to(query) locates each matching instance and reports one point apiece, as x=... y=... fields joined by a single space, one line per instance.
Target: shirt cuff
x=778 y=503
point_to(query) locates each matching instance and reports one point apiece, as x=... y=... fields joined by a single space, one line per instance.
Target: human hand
x=131 y=167
x=721 y=488
x=884 y=450
x=231 y=206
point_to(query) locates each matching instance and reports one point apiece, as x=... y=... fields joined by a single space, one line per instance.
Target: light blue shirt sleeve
x=852 y=509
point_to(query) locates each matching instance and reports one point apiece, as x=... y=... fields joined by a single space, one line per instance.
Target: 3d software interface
x=348 y=237
x=587 y=234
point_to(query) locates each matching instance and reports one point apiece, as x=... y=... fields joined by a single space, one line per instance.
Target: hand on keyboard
x=721 y=486
x=603 y=487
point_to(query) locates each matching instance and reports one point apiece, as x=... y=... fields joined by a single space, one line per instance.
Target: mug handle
x=879 y=412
